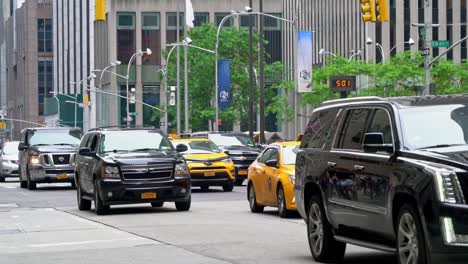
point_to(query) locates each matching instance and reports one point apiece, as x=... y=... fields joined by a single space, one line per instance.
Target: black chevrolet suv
x=389 y=174
x=127 y=166
x=239 y=146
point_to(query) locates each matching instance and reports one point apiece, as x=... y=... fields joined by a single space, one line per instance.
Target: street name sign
x=440 y=43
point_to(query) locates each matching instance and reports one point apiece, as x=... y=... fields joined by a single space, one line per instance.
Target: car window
x=381 y=124
x=231 y=140
x=84 y=141
x=134 y=140
x=274 y=155
x=54 y=137
x=289 y=155
x=10 y=148
x=203 y=147
x=265 y=156
x=318 y=129
x=353 y=129
x=92 y=142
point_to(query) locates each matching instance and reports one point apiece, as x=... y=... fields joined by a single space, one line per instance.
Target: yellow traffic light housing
x=368 y=11
x=382 y=10
x=100 y=10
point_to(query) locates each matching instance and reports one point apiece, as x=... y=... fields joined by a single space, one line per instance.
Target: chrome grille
x=161 y=171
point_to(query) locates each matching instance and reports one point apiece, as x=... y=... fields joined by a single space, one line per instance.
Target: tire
x=73 y=184
x=204 y=188
x=323 y=246
x=254 y=207
x=22 y=183
x=239 y=182
x=83 y=204
x=157 y=204
x=410 y=237
x=99 y=206
x=183 y=206
x=2 y=178
x=283 y=211
x=229 y=186
x=31 y=185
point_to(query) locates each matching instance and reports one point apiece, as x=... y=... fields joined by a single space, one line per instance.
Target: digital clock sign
x=342 y=83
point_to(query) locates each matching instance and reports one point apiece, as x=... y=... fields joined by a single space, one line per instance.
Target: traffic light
x=86 y=98
x=132 y=95
x=100 y=10
x=381 y=7
x=368 y=11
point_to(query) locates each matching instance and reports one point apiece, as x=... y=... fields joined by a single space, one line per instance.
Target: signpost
x=425 y=52
x=440 y=43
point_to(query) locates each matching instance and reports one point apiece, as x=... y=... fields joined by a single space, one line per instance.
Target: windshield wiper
x=441 y=146
x=115 y=151
x=145 y=149
x=65 y=144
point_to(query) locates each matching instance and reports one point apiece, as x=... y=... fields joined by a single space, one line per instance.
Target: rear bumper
x=118 y=192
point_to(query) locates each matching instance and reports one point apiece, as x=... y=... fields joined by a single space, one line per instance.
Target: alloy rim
x=315 y=229
x=407 y=240
x=251 y=196
x=280 y=200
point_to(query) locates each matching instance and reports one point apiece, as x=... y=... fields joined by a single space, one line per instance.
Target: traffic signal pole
x=251 y=76
x=427 y=44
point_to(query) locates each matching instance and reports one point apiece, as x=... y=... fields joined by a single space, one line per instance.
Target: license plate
x=62 y=176
x=148 y=195
x=210 y=174
x=242 y=172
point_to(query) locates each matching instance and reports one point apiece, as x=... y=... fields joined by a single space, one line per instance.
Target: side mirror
x=85 y=152
x=181 y=148
x=374 y=142
x=272 y=163
x=22 y=146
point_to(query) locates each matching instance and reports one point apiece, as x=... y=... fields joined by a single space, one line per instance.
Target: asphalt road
x=44 y=226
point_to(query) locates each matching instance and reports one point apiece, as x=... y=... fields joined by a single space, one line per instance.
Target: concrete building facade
x=29 y=61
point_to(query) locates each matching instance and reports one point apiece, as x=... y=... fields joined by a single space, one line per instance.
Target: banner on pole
x=304 y=61
x=224 y=84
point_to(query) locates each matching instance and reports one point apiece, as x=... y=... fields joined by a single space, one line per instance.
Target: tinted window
x=274 y=155
x=54 y=137
x=318 y=129
x=92 y=142
x=353 y=129
x=84 y=141
x=134 y=140
x=381 y=124
x=203 y=147
x=265 y=156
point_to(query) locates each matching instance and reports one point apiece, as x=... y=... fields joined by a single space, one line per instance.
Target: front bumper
x=207 y=177
x=114 y=192
x=52 y=174
x=241 y=171
x=9 y=170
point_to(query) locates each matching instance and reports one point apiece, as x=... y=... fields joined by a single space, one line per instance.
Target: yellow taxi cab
x=208 y=165
x=271 y=178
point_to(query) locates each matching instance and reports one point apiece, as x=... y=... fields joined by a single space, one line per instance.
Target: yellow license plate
x=242 y=172
x=148 y=195
x=62 y=176
x=209 y=174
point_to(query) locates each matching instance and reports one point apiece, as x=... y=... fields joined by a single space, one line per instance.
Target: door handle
x=359 y=168
x=331 y=164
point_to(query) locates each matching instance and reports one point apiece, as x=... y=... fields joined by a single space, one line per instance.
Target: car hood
x=206 y=156
x=142 y=158
x=54 y=149
x=240 y=150
x=456 y=156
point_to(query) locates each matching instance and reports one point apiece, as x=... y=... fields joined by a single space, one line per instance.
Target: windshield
x=54 y=137
x=289 y=155
x=10 y=148
x=202 y=147
x=231 y=140
x=134 y=140
x=433 y=126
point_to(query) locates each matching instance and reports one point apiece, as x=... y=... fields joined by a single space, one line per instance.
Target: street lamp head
x=115 y=63
x=248 y=9
x=369 y=41
x=322 y=52
x=187 y=41
x=411 y=42
x=233 y=12
x=358 y=53
x=92 y=76
x=148 y=51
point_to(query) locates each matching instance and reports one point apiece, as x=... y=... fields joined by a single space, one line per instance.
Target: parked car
x=128 y=166
x=9 y=160
x=239 y=146
x=271 y=179
x=208 y=165
x=46 y=155
x=389 y=174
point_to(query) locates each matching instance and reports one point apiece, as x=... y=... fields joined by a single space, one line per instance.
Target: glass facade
x=44 y=35
x=171 y=30
x=219 y=16
x=151 y=38
x=45 y=84
x=126 y=45
x=201 y=18
x=151 y=97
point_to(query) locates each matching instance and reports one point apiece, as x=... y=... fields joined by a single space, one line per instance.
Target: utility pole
x=251 y=77
x=186 y=88
x=428 y=44
x=262 y=78
x=178 y=69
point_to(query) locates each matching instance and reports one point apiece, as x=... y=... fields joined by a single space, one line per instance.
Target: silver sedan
x=9 y=160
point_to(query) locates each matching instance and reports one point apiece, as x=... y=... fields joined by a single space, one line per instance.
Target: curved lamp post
x=370 y=42
x=410 y=42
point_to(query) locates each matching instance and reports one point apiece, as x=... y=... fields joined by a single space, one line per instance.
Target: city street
x=45 y=226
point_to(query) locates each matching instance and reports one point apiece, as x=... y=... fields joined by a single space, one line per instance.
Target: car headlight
x=292 y=179
x=182 y=170
x=35 y=160
x=448 y=186
x=228 y=160
x=111 y=172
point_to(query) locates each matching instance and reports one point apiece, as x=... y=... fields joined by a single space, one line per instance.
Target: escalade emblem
x=243 y=158
x=61 y=158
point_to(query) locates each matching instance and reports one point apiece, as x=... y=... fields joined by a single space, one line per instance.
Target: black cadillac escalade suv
x=127 y=166
x=389 y=174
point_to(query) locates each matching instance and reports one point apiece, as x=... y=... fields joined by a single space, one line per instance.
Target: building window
x=220 y=16
x=273 y=37
x=45 y=84
x=125 y=36
x=171 y=30
x=244 y=22
x=201 y=18
x=151 y=38
x=44 y=35
x=151 y=97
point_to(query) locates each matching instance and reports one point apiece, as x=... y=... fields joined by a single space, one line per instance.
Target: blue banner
x=304 y=61
x=224 y=84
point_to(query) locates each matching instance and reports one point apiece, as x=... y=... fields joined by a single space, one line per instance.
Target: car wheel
x=31 y=185
x=99 y=206
x=157 y=204
x=283 y=212
x=183 y=206
x=239 y=182
x=204 y=188
x=83 y=205
x=410 y=237
x=323 y=246
x=73 y=184
x=2 y=178
x=254 y=207
x=229 y=186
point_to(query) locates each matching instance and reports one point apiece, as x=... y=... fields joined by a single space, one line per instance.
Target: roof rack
x=353 y=99
x=122 y=128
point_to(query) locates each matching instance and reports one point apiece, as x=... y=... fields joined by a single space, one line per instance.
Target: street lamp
x=355 y=54
x=370 y=42
x=323 y=52
x=248 y=12
x=410 y=42
x=138 y=53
